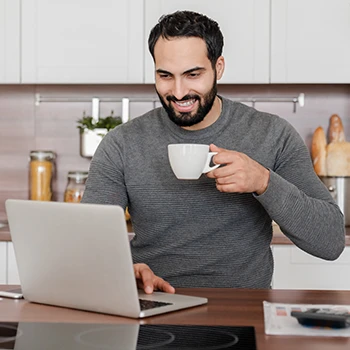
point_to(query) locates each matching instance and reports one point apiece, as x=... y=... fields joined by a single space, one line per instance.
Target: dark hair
x=189 y=24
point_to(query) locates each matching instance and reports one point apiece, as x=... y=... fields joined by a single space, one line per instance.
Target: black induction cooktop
x=78 y=336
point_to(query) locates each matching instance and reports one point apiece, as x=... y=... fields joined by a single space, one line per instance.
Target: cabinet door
x=295 y=269
x=82 y=41
x=310 y=41
x=3 y=263
x=9 y=41
x=12 y=271
x=245 y=26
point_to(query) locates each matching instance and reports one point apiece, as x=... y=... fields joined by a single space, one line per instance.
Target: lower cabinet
x=3 y=262
x=8 y=265
x=295 y=269
x=12 y=271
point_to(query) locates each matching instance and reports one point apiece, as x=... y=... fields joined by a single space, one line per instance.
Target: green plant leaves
x=108 y=123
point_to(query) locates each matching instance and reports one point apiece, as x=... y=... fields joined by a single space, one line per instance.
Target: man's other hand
x=149 y=282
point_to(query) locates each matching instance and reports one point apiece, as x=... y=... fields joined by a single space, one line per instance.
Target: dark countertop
x=278 y=237
x=226 y=307
x=5 y=234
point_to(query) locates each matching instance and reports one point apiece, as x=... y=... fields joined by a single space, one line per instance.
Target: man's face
x=185 y=79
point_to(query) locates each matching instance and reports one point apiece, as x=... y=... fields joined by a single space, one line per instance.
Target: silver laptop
x=78 y=256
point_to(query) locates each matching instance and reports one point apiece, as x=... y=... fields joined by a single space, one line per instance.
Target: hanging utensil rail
x=297 y=100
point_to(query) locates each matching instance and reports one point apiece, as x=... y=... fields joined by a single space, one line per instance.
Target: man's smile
x=185 y=106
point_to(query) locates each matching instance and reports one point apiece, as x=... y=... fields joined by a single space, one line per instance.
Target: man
x=215 y=231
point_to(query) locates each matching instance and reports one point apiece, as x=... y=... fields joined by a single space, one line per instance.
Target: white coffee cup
x=189 y=161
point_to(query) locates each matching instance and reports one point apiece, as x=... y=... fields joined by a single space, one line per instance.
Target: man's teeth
x=185 y=103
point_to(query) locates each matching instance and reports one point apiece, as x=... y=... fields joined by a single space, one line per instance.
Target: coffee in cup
x=189 y=161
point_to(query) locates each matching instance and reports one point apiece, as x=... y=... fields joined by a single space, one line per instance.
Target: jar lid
x=78 y=175
x=42 y=155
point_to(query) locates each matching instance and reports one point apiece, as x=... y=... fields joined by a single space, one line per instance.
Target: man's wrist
x=265 y=182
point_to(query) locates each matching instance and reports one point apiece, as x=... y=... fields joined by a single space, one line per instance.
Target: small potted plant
x=92 y=131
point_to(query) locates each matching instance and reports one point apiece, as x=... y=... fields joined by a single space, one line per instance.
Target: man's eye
x=164 y=76
x=193 y=75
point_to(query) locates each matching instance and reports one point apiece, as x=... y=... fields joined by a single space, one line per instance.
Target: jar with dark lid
x=75 y=186
x=41 y=173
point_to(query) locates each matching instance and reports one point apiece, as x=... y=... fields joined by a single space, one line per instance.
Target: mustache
x=185 y=98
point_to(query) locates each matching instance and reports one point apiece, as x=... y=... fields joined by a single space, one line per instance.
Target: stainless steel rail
x=297 y=100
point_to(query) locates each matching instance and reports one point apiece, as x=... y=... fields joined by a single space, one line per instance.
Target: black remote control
x=333 y=318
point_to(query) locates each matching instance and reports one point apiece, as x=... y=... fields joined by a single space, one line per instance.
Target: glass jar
x=75 y=186
x=41 y=173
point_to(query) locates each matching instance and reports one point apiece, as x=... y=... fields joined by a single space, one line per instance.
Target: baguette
x=336 y=129
x=338 y=159
x=318 y=151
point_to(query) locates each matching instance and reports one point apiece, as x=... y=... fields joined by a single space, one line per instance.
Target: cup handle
x=207 y=167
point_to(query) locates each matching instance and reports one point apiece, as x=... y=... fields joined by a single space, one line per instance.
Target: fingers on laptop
x=164 y=286
x=149 y=282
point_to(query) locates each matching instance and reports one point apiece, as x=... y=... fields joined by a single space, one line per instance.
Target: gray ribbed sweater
x=191 y=234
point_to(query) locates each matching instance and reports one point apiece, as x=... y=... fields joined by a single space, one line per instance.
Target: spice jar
x=41 y=172
x=75 y=186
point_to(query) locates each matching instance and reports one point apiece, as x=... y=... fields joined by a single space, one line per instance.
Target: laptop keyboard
x=150 y=304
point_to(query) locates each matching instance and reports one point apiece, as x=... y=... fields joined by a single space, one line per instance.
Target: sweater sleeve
x=298 y=201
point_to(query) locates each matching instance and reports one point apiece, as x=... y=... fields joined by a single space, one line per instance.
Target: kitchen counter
x=5 y=234
x=278 y=236
x=226 y=307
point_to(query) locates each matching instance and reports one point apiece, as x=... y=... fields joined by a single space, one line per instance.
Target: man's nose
x=180 y=89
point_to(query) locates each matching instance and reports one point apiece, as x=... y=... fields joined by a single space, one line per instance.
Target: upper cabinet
x=9 y=41
x=245 y=26
x=310 y=41
x=82 y=41
x=105 y=42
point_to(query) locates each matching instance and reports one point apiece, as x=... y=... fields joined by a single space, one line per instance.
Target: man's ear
x=220 y=67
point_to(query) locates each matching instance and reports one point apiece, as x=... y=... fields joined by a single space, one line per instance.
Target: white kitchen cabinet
x=310 y=41
x=9 y=41
x=12 y=271
x=295 y=269
x=82 y=41
x=245 y=26
x=3 y=262
x=8 y=264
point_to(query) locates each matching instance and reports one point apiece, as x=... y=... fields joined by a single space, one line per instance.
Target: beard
x=189 y=118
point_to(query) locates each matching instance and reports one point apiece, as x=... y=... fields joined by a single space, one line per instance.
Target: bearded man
x=215 y=231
